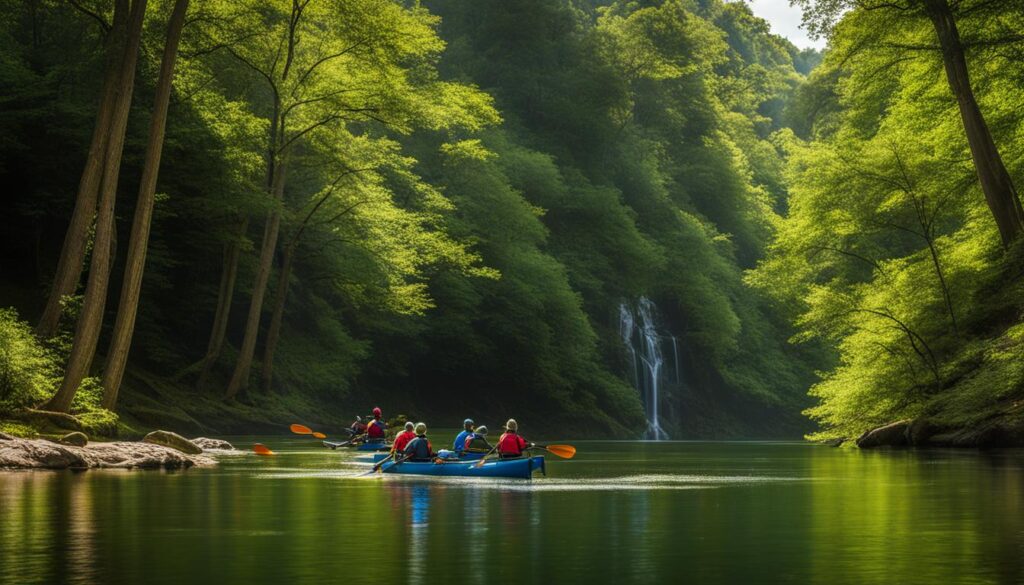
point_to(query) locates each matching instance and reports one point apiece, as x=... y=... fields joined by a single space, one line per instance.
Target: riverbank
x=158 y=450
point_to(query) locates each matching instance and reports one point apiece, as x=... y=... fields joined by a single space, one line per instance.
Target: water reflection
x=624 y=513
x=418 y=533
x=81 y=530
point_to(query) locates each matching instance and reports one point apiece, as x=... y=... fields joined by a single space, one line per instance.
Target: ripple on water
x=648 y=482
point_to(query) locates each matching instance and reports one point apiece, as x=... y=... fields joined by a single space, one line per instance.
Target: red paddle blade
x=301 y=430
x=261 y=449
x=320 y=435
x=563 y=451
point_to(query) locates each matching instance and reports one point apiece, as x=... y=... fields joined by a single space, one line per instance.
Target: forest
x=228 y=215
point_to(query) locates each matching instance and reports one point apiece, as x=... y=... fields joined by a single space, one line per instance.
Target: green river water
x=620 y=512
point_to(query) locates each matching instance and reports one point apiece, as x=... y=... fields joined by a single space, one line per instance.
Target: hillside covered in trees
x=222 y=215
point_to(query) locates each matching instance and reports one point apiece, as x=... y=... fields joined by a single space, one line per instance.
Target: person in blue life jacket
x=460 y=440
x=476 y=442
x=419 y=449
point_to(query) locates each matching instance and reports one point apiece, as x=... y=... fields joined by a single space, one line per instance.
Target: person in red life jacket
x=358 y=427
x=376 y=429
x=419 y=449
x=477 y=441
x=402 y=439
x=511 y=444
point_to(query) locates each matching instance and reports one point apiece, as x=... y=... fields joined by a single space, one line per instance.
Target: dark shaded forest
x=228 y=215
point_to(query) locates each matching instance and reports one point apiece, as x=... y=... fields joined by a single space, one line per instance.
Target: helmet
x=481 y=430
x=421 y=428
x=409 y=426
x=376 y=411
x=512 y=425
x=468 y=422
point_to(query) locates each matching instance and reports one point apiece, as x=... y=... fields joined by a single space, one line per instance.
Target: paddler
x=419 y=448
x=358 y=426
x=511 y=443
x=376 y=429
x=402 y=439
x=460 y=439
x=477 y=441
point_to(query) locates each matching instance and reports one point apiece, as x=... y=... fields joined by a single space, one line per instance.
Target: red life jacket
x=376 y=429
x=511 y=444
x=402 y=440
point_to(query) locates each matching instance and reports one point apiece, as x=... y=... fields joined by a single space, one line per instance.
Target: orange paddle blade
x=320 y=435
x=261 y=449
x=563 y=451
x=301 y=430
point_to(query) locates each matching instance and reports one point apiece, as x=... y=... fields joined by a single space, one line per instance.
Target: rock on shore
x=206 y=444
x=1004 y=431
x=173 y=441
x=42 y=454
x=890 y=435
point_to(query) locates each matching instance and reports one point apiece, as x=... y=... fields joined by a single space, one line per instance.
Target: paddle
x=484 y=458
x=380 y=464
x=304 y=430
x=563 y=451
x=261 y=449
x=345 y=444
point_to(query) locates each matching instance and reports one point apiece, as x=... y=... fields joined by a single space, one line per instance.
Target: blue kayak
x=378 y=457
x=519 y=468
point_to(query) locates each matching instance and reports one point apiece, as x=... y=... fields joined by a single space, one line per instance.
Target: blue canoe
x=378 y=457
x=518 y=468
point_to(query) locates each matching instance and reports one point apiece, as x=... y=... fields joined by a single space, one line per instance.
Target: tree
x=120 y=343
x=370 y=65
x=1000 y=193
x=69 y=266
x=90 y=319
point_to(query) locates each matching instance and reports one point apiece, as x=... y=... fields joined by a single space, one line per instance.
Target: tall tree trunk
x=72 y=255
x=240 y=376
x=225 y=294
x=124 y=325
x=274 y=333
x=90 y=320
x=995 y=181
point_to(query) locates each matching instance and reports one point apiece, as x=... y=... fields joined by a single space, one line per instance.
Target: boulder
x=206 y=443
x=41 y=454
x=890 y=435
x=76 y=438
x=837 y=442
x=6 y=437
x=172 y=440
x=920 y=431
x=143 y=456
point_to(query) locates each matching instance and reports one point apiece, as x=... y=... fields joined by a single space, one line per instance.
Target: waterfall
x=640 y=336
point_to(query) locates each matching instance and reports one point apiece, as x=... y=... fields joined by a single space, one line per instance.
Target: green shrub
x=29 y=372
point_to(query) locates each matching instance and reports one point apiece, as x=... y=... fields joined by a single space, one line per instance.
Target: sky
x=785 y=21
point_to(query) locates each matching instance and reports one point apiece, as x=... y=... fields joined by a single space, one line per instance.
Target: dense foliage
x=437 y=207
x=889 y=252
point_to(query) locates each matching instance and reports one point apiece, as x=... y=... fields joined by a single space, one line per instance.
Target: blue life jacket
x=419 y=449
x=460 y=441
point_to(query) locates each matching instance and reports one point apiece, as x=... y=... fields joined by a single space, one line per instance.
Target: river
x=620 y=512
